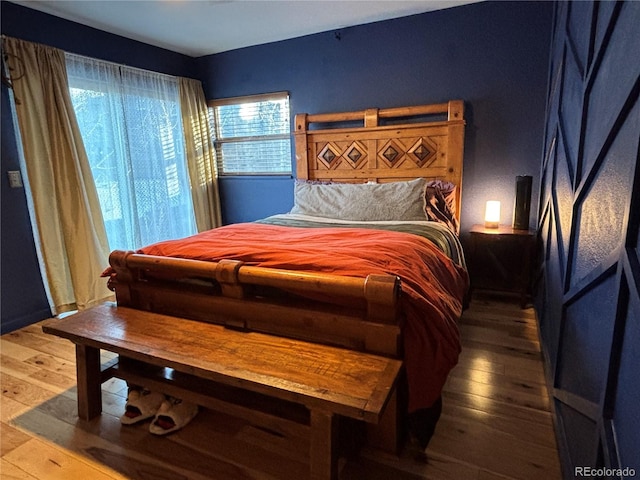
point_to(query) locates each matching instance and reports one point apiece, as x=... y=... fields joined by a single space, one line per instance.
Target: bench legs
x=323 y=454
x=387 y=434
x=323 y=458
x=89 y=382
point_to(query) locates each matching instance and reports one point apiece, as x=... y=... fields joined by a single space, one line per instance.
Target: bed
x=354 y=280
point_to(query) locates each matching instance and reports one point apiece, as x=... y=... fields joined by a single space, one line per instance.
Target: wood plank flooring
x=496 y=422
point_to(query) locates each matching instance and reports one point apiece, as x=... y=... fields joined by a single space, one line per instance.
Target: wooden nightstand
x=501 y=259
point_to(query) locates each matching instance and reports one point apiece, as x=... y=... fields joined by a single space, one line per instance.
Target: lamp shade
x=492 y=214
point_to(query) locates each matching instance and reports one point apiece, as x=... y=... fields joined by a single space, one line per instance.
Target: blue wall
x=588 y=298
x=23 y=300
x=493 y=55
x=21 y=290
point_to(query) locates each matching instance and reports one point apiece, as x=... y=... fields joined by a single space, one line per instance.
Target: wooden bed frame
x=385 y=145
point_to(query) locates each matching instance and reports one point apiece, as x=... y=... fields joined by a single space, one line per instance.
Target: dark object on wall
x=523 y=202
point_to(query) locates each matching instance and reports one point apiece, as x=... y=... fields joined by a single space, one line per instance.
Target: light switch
x=15 y=179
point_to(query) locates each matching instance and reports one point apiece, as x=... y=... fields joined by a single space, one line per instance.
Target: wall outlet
x=15 y=179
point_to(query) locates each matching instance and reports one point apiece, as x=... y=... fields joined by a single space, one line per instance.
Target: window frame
x=239 y=100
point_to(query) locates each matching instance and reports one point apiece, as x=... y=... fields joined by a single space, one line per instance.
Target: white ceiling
x=203 y=27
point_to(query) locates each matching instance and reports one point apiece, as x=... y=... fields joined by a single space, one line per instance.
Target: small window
x=252 y=134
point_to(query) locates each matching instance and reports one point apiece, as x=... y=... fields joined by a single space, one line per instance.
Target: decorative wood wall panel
x=588 y=297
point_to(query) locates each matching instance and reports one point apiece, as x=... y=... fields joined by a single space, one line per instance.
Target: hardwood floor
x=495 y=424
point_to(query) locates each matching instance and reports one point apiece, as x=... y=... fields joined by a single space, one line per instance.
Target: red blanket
x=433 y=286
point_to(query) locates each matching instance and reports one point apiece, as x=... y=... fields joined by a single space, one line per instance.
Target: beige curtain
x=201 y=158
x=73 y=241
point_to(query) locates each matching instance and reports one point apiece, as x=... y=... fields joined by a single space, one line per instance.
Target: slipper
x=172 y=415
x=141 y=405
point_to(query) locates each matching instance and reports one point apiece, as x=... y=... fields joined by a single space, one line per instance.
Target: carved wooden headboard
x=383 y=145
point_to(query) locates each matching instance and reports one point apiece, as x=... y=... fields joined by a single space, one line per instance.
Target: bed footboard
x=357 y=313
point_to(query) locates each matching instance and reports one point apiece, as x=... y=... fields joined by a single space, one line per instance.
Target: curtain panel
x=72 y=239
x=115 y=158
x=200 y=153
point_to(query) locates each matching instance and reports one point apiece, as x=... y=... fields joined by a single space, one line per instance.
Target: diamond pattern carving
x=355 y=154
x=329 y=156
x=392 y=153
x=423 y=152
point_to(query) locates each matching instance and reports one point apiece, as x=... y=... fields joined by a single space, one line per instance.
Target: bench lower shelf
x=276 y=415
x=282 y=418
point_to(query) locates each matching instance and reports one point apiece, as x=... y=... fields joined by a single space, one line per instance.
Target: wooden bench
x=267 y=378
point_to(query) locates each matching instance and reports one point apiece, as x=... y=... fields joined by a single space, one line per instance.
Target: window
x=131 y=127
x=252 y=134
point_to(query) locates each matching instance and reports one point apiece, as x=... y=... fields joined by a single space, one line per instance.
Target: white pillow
x=367 y=202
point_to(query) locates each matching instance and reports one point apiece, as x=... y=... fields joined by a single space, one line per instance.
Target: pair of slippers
x=169 y=413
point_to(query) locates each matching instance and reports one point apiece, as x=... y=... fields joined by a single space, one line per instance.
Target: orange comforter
x=433 y=286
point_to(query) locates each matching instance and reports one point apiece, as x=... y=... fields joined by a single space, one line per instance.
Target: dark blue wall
x=588 y=298
x=493 y=55
x=21 y=290
x=23 y=300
